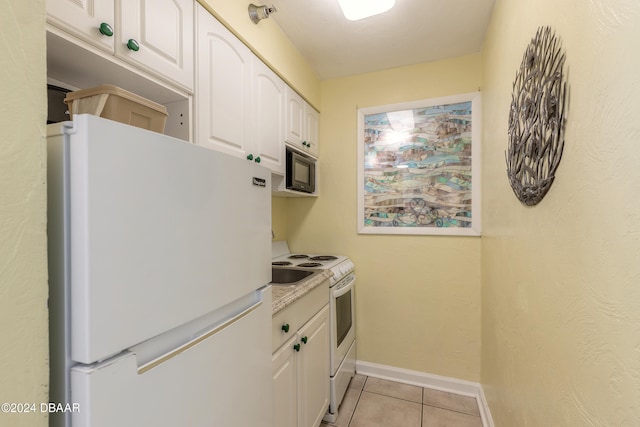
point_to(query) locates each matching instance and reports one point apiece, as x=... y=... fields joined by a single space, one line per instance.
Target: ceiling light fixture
x=359 y=9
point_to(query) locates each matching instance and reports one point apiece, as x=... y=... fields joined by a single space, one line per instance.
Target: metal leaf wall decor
x=537 y=118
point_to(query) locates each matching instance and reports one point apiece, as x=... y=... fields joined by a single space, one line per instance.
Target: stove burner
x=323 y=258
x=280 y=263
x=298 y=256
x=310 y=264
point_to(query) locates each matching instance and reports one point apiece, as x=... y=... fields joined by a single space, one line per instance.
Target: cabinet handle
x=133 y=45
x=249 y=156
x=304 y=143
x=296 y=347
x=304 y=339
x=106 y=29
x=285 y=328
x=257 y=160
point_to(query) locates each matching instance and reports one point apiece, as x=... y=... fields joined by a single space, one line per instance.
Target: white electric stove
x=340 y=265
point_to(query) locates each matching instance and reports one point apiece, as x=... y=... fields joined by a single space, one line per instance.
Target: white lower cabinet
x=313 y=370
x=285 y=388
x=301 y=375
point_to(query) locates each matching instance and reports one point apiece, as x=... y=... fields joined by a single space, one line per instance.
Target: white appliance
x=341 y=314
x=154 y=321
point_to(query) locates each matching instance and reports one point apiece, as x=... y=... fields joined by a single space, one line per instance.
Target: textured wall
x=279 y=218
x=24 y=373
x=560 y=281
x=417 y=297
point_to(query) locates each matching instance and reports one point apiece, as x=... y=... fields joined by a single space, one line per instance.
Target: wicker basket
x=114 y=103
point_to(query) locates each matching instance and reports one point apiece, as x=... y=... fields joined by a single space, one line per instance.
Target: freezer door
x=224 y=380
x=162 y=232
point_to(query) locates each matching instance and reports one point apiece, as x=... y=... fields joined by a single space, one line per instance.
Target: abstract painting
x=418 y=167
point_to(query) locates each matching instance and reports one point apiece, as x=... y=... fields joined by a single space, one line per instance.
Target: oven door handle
x=344 y=288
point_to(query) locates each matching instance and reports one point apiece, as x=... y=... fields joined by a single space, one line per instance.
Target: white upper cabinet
x=295 y=118
x=223 y=86
x=163 y=33
x=154 y=36
x=311 y=129
x=240 y=101
x=90 y=20
x=268 y=116
x=301 y=124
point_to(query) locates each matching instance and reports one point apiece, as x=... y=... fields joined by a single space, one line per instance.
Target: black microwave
x=301 y=172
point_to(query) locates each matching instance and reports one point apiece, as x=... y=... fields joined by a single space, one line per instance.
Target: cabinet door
x=311 y=129
x=268 y=124
x=163 y=29
x=285 y=398
x=294 y=118
x=313 y=370
x=83 y=18
x=223 y=87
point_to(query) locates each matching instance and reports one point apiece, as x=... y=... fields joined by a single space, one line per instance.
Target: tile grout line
x=396 y=397
x=422 y=409
x=452 y=410
x=357 y=401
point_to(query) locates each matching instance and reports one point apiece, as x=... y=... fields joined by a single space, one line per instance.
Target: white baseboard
x=437 y=382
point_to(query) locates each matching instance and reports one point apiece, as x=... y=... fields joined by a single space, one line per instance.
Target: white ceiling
x=412 y=32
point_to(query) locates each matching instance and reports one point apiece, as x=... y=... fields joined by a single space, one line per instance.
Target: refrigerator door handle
x=186 y=346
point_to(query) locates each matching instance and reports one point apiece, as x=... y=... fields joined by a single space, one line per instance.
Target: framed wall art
x=419 y=167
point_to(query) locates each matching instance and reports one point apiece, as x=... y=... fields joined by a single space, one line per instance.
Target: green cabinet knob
x=304 y=143
x=249 y=156
x=296 y=347
x=257 y=160
x=133 y=45
x=106 y=29
x=285 y=328
x=304 y=339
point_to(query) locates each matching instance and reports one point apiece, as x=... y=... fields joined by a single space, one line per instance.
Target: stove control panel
x=341 y=270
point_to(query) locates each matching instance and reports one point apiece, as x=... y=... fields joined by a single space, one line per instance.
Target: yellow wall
x=24 y=374
x=279 y=218
x=268 y=41
x=417 y=297
x=561 y=281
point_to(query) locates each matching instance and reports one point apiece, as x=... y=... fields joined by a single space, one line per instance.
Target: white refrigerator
x=159 y=265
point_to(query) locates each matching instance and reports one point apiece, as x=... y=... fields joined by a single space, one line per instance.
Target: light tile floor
x=372 y=402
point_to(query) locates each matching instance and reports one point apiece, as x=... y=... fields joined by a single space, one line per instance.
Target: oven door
x=343 y=331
